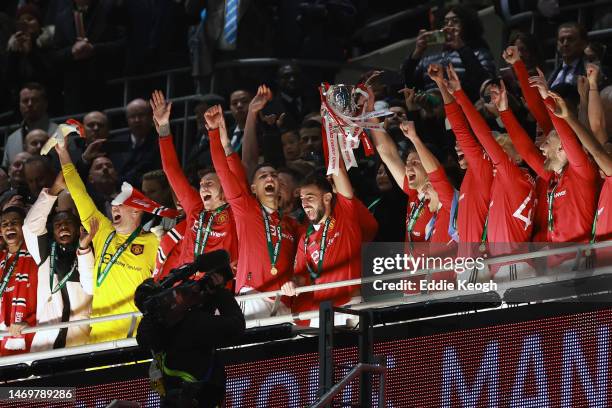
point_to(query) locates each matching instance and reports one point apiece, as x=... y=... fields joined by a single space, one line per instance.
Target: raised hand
x=421 y=44
x=436 y=73
x=561 y=110
x=161 y=109
x=264 y=94
x=409 y=131
x=539 y=81
x=93 y=151
x=499 y=96
x=453 y=79
x=582 y=84
x=85 y=237
x=592 y=73
x=409 y=99
x=214 y=118
x=511 y=55
x=371 y=99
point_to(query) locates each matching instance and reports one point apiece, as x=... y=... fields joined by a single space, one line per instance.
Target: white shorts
x=261 y=308
x=341 y=319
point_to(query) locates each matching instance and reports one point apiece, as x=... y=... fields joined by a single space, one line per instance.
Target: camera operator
x=183 y=324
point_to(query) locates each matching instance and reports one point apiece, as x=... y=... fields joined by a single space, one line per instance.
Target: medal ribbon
x=415 y=213
x=273 y=250
x=551 y=198
x=322 y=247
x=8 y=274
x=374 y=203
x=62 y=282
x=100 y=278
x=594 y=227
x=199 y=249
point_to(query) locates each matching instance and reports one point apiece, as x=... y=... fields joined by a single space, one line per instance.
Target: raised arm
x=532 y=97
x=596 y=149
x=479 y=125
x=250 y=147
x=576 y=156
x=35 y=225
x=596 y=114
x=233 y=187
x=84 y=204
x=474 y=154
x=429 y=161
x=523 y=144
x=186 y=194
x=342 y=182
x=386 y=147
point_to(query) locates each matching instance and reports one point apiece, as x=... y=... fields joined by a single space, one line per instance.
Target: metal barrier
x=360 y=281
x=169 y=75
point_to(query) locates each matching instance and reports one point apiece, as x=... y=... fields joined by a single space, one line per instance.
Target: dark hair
x=36 y=87
x=598 y=49
x=44 y=160
x=318 y=180
x=471 y=26
x=206 y=171
x=311 y=124
x=582 y=32
x=13 y=209
x=532 y=45
x=262 y=165
x=157 y=175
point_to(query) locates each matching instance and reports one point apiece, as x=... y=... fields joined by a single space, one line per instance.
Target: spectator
x=241 y=30
x=33 y=108
x=142 y=150
x=463 y=47
x=290 y=139
x=16 y=170
x=571 y=42
x=239 y=106
x=528 y=49
x=155 y=34
x=292 y=98
x=5 y=183
x=35 y=140
x=103 y=183
x=39 y=174
x=388 y=207
x=86 y=49
x=29 y=51
x=96 y=126
x=311 y=144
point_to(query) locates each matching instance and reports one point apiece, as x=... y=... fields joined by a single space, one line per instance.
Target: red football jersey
x=511 y=208
x=342 y=257
x=475 y=190
x=223 y=229
x=417 y=210
x=254 y=266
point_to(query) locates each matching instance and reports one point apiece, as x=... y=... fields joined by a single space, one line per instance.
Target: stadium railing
x=546 y=287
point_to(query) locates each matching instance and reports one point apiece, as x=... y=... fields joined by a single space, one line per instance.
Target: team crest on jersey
x=221 y=218
x=332 y=224
x=137 y=249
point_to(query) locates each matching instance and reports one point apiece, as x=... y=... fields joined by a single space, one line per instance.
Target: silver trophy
x=344 y=121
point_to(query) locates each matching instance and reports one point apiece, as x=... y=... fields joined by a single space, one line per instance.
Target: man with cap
x=125 y=256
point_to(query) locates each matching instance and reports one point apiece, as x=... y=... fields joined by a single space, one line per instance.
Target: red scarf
x=18 y=304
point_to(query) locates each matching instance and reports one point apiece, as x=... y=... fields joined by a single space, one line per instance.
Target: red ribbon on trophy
x=344 y=123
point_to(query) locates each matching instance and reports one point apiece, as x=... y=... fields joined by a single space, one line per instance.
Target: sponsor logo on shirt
x=222 y=217
x=462 y=196
x=560 y=193
x=600 y=211
x=137 y=249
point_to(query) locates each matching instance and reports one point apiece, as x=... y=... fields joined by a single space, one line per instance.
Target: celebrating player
x=210 y=220
x=330 y=250
x=124 y=255
x=267 y=238
x=17 y=285
x=65 y=272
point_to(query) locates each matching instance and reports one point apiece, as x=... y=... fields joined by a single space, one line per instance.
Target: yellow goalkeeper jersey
x=115 y=293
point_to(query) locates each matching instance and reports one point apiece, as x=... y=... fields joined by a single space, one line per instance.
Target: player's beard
x=319 y=216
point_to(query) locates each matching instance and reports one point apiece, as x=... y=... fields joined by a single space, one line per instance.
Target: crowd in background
x=472 y=152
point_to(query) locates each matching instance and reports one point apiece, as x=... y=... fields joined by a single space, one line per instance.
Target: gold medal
x=49 y=300
x=482 y=247
x=274 y=271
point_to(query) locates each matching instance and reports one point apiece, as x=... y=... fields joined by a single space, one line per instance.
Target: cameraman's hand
x=288 y=289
